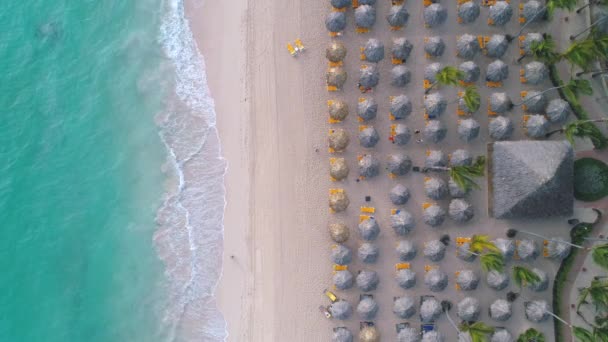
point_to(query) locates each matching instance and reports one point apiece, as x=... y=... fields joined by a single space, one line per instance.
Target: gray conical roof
x=340 y=3
x=338 y=110
x=408 y=334
x=341 y=255
x=367 y=308
x=373 y=50
x=344 y=280
x=537 y=126
x=434 y=46
x=402 y=222
x=369 y=137
x=468 y=12
x=365 y=16
x=497 y=280
x=341 y=309
x=335 y=21
x=506 y=247
x=404 y=307
x=368 y=253
x=335 y=52
x=500 y=102
x=339 y=232
x=432 y=336
x=498 y=71
x=529 y=39
x=367 y=280
x=535 y=101
x=431 y=70
x=455 y=190
x=463 y=252
x=434 y=215
x=435 y=15
x=401 y=106
x=369 y=334
x=468 y=129
x=497 y=46
x=397 y=16
x=399 y=164
x=399 y=194
x=558 y=249
x=406 y=250
x=338 y=139
x=338 y=169
x=430 y=309
x=460 y=210
x=436 y=280
x=461 y=157
x=467 y=46
x=367 y=109
x=467 y=280
x=501 y=335
x=537 y=311
x=527 y=250
x=401 y=48
x=435 y=188
x=534 y=11
x=336 y=77
x=435 y=104
x=500 y=310
x=369 y=229
x=400 y=75
x=401 y=135
x=471 y=71
x=558 y=110
x=434 y=131
x=501 y=128
x=406 y=278
x=501 y=13
x=434 y=250
x=436 y=158
x=468 y=309
x=338 y=201
x=536 y=72
x=342 y=334
x=369 y=76
x=542 y=284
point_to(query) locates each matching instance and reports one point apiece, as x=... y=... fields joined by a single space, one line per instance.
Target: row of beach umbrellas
x=373 y=50
x=409 y=333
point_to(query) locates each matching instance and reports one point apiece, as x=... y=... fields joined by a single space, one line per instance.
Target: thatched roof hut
x=338 y=169
x=431 y=70
x=434 y=131
x=460 y=210
x=433 y=215
x=467 y=280
x=501 y=335
x=527 y=250
x=341 y=310
x=497 y=280
x=369 y=334
x=368 y=253
x=343 y=280
x=500 y=13
x=335 y=21
x=342 y=334
x=435 y=188
x=435 y=15
x=455 y=190
x=341 y=254
x=537 y=311
x=401 y=48
x=467 y=46
x=436 y=158
x=406 y=278
x=434 y=250
x=339 y=232
x=406 y=250
x=430 y=309
x=399 y=164
x=534 y=11
x=400 y=75
x=336 y=77
x=404 y=307
x=468 y=309
x=500 y=102
x=468 y=12
x=537 y=126
x=367 y=308
x=432 y=336
x=368 y=137
x=536 y=72
x=434 y=46
x=471 y=71
x=558 y=248
x=401 y=106
x=397 y=16
x=500 y=310
x=335 y=52
x=435 y=104
x=529 y=40
x=461 y=157
x=436 y=280
x=558 y=110
x=399 y=194
x=338 y=139
x=535 y=101
x=338 y=201
x=373 y=50
x=501 y=128
x=498 y=71
x=365 y=16
x=468 y=129
x=369 y=229
x=542 y=284
x=497 y=46
x=338 y=110
x=340 y=4
x=401 y=135
x=506 y=247
x=367 y=280
x=408 y=334
x=402 y=222
x=369 y=76
x=367 y=109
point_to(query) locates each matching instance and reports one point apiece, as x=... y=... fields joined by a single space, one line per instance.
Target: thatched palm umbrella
x=436 y=280
x=468 y=12
x=467 y=46
x=338 y=139
x=529 y=40
x=342 y=334
x=367 y=109
x=527 y=250
x=535 y=101
x=368 y=253
x=404 y=307
x=498 y=71
x=455 y=190
x=401 y=48
x=398 y=16
x=464 y=252
x=341 y=255
x=373 y=50
x=408 y=334
x=435 y=188
x=497 y=280
x=338 y=201
x=431 y=70
x=461 y=157
x=402 y=222
x=467 y=280
x=497 y=46
x=558 y=248
x=433 y=215
x=338 y=110
x=365 y=16
x=405 y=278
x=434 y=46
x=500 y=103
x=344 y=280
x=500 y=310
x=400 y=75
x=340 y=3
x=537 y=126
x=558 y=110
x=399 y=164
x=430 y=309
x=335 y=52
x=369 y=334
x=435 y=15
x=336 y=77
x=338 y=169
x=401 y=135
x=399 y=194
x=460 y=210
x=406 y=250
x=506 y=247
x=368 y=137
x=435 y=104
x=434 y=250
x=501 y=335
x=335 y=21
x=468 y=129
x=537 y=311
x=534 y=11
x=369 y=76
x=432 y=336
x=369 y=229
x=471 y=71
x=542 y=284
x=436 y=158
x=367 y=280
x=536 y=72
x=468 y=309
x=501 y=128
x=401 y=106
x=434 y=131
x=341 y=309
x=339 y=232
x=501 y=13
x=367 y=308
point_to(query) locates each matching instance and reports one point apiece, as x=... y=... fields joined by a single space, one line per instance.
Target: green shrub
x=590 y=179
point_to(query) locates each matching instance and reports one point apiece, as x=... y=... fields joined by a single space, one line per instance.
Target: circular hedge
x=590 y=179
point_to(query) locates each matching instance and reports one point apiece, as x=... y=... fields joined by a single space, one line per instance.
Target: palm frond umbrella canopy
x=435 y=188
x=470 y=70
x=436 y=158
x=467 y=280
x=500 y=102
x=542 y=284
x=342 y=334
x=463 y=252
x=497 y=280
x=506 y=247
x=455 y=190
x=402 y=222
x=401 y=106
x=432 y=336
x=336 y=77
x=461 y=157
x=341 y=309
x=369 y=166
x=430 y=309
x=529 y=40
x=338 y=110
x=535 y=101
x=436 y=280
x=338 y=169
x=406 y=278
x=399 y=194
x=468 y=129
x=501 y=335
x=433 y=215
x=435 y=15
x=367 y=109
x=373 y=50
x=435 y=104
x=344 y=280
x=467 y=46
x=434 y=131
x=501 y=128
x=536 y=72
x=369 y=229
x=500 y=13
x=399 y=164
x=404 y=307
x=434 y=250
x=367 y=308
x=368 y=253
x=537 y=126
x=341 y=255
x=335 y=21
x=558 y=110
x=468 y=12
x=431 y=70
x=434 y=46
x=557 y=248
x=365 y=16
x=397 y=16
x=500 y=310
x=339 y=232
x=369 y=334
x=338 y=201
x=527 y=250
x=400 y=75
x=534 y=11
x=497 y=46
x=406 y=250
x=468 y=309
x=498 y=71
x=537 y=311
x=401 y=135
x=402 y=48
x=340 y=3
x=367 y=280
x=369 y=76
x=338 y=139
x=335 y=52
x=460 y=210
x=369 y=137
x=408 y=334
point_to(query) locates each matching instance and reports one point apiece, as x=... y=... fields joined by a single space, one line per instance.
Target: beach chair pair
x=330 y=120
x=335 y=34
x=522 y=76
x=522 y=19
x=366 y=213
x=334 y=191
x=523 y=95
x=483 y=42
x=491 y=84
x=295 y=50
x=392 y=134
x=520 y=42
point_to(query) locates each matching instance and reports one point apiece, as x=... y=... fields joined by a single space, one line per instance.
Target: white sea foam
x=190 y=235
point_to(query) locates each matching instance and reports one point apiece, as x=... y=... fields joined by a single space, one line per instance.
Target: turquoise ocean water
x=108 y=153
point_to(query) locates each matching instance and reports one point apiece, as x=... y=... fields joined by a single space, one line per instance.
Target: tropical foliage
x=600 y=255
x=523 y=276
x=583 y=129
x=492 y=261
x=481 y=242
x=478 y=331
x=448 y=76
x=531 y=335
x=597 y=292
x=471 y=98
x=545 y=50
x=464 y=175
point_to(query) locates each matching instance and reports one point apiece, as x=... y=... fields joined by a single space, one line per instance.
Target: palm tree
x=448 y=75
x=590 y=3
x=492 y=261
x=522 y=276
x=597 y=291
x=543 y=51
x=600 y=255
x=531 y=335
x=511 y=233
x=583 y=53
x=471 y=98
x=479 y=331
x=581 y=129
x=575 y=86
x=595 y=72
x=464 y=175
x=584 y=335
x=549 y=8
x=598 y=21
x=481 y=242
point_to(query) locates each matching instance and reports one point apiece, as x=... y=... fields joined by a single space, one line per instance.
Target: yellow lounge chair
x=396 y=28
x=368 y=210
x=393 y=128
x=361 y=55
x=361 y=29
x=427 y=3
x=462 y=240
x=299 y=45
x=355 y=3
x=545 y=248
x=426 y=204
x=332 y=88
x=456 y=274
x=335 y=34
x=332 y=297
x=491 y=84
x=335 y=64
x=292 y=50
x=394 y=211
x=490 y=22
x=334 y=9
x=460 y=2
x=396 y=61
x=364 y=217
x=362 y=127
x=429 y=267
x=335 y=191
x=523 y=95
x=402 y=266
x=426 y=84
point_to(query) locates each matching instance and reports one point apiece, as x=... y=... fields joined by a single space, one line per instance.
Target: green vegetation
x=492 y=261
x=531 y=335
x=471 y=98
x=448 y=75
x=523 y=276
x=479 y=331
x=590 y=179
x=600 y=255
x=464 y=175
